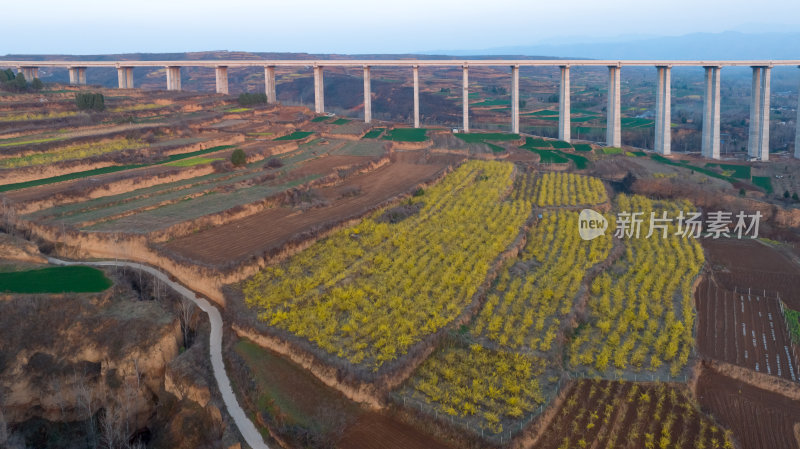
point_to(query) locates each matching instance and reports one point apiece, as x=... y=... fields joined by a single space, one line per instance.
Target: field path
x=246 y=427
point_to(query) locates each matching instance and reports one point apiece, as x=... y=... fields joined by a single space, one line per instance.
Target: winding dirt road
x=246 y=427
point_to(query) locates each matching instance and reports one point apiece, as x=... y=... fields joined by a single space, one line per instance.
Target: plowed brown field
x=271 y=228
x=758 y=418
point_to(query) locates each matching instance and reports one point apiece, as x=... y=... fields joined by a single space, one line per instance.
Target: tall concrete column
x=81 y=75
x=367 y=95
x=269 y=84
x=758 y=140
x=174 y=78
x=122 y=81
x=663 y=126
x=319 y=90
x=614 y=119
x=465 y=95
x=73 y=75
x=29 y=72
x=129 y=77
x=415 y=73
x=797 y=127
x=515 y=99
x=221 y=72
x=564 y=106
x=710 y=144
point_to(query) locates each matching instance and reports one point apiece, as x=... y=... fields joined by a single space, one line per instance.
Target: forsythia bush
x=489 y=385
x=643 y=316
x=369 y=292
x=524 y=310
x=78 y=151
x=569 y=189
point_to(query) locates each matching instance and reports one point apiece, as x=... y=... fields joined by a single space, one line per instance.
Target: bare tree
x=3 y=429
x=187 y=310
x=84 y=396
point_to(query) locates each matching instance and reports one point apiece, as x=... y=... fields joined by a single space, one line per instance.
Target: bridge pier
x=515 y=99
x=319 y=90
x=465 y=95
x=614 y=123
x=564 y=126
x=174 y=78
x=415 y=73
x=77 y=75
x=367 y=95
x=663 y=133
x=125 y=77
x=221 y=73
x=29 y=72
x=269 y=84
x=710 y=145
x=758 y=140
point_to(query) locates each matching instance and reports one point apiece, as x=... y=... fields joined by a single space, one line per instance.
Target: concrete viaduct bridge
x=758 y=142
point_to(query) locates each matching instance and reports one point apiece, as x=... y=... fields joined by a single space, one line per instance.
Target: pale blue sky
x=359 y=26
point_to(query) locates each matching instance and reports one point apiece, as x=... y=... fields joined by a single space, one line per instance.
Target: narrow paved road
x=246 y=427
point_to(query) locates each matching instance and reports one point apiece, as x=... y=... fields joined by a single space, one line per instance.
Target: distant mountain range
x=725 y=45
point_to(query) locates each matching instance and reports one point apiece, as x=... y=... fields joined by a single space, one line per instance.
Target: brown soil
x=271 y=228
x=759 y=419
x=747 y=264
x=375 y=431
x=746 y=330
x=623 y=419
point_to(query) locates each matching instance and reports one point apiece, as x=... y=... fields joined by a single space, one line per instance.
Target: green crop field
x=193 y=161
x=560 y=144
x=764 y=182
x=738 y=171
x=611 y=150
x=543 y=112
x=535 y=142
x=482 y=137
x=105 y=170
x=341 y=121
x=634 y=122
x=322 y=118
x=549 y=156
x=374 y=133
x=235 y=110
x=406 y=134
x=585 y=147
x=581 y=162
x=793 y=319
x=297 y=135
x=14 y=142
x=70 y=279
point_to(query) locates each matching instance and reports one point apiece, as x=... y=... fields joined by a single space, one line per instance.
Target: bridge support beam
x=174 y=78
x=758 y=141
x=415 y=73
x=797 y=128
x=269 y=84
x=125 y=77
x=77 y=75
x=221 y=72
x=613 y=124
x=465 y=95
x=663 y=136
x=515 y=99
x=319 y=90
x=367 y=95
x=564 y=126
x=29 y=72
x=710 y=143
